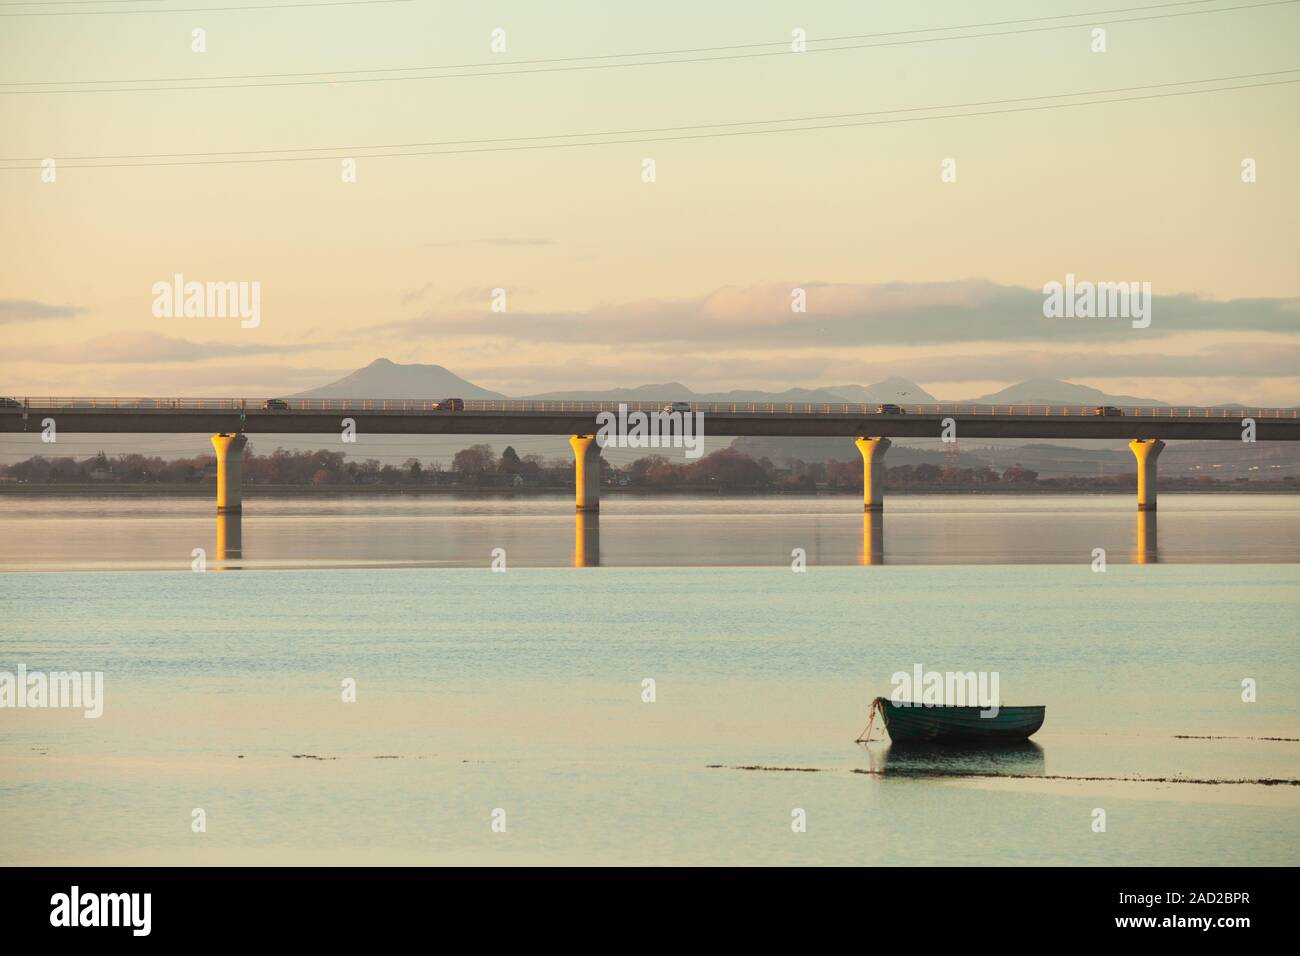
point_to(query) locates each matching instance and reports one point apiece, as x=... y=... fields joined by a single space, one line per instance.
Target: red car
x=452 y=404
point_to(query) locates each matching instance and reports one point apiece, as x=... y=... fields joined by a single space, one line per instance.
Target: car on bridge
x=677 y=407
x=452 y=405
x=275 y=405
x=889 y=408
x=1108 y=411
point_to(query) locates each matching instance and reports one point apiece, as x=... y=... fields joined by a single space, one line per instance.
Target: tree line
x=479 y=467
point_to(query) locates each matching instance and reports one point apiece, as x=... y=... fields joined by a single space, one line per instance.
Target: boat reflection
x=1019 y=758
x=586 y=539
x=873 y=538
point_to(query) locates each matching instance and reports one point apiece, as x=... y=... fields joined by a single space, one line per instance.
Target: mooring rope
x=877 y=704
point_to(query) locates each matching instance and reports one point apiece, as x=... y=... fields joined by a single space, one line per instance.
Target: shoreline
x=208 y=490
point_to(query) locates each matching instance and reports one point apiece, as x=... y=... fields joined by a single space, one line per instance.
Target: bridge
x=870 y=427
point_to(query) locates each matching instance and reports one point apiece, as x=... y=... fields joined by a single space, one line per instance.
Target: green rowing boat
x=906 y=721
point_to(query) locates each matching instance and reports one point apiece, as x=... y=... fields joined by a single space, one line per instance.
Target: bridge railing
x=529 y=407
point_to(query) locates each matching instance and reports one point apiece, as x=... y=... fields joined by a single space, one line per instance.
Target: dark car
x=1108 y=411
x=888 y=408
x=275 y=405
x=452 y=404
x=10 y=403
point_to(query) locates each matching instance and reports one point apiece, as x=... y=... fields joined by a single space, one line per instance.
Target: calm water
x=85 y=533
x=523 y=690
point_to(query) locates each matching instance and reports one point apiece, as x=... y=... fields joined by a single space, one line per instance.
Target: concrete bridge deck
x=812 y=420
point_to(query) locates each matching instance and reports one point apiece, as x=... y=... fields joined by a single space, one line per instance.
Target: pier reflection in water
x=449 y=531
x=586 y=539
x=1145 y=548
x=919 y=759
x=230 y=536
x=873 y=538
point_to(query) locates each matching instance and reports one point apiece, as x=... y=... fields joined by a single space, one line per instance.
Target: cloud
x=1275 y=364
x=969 y=331
x=27 y=310
x=485 y=295
x=1274 y=360
x=847 y=316
x=242 y=379
x=414 y=295
x=502 y=241
x=146 y=347
x=518 y=242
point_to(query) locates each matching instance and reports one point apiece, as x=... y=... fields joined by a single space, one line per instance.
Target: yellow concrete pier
x=1146 y=451
x=586 y=472
x=230 y=470
x=873 y=472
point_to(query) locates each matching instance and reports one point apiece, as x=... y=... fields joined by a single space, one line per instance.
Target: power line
x=269 y=6
x=602 y=56
x=639 y=132
x=691 y=135
x=491 y=69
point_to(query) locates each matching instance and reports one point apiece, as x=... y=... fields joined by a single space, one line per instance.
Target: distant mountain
x=894 y=389
x=640 y=393
x=890 y=390
x=789 y=395
x=385 y=379
x=1045 y=391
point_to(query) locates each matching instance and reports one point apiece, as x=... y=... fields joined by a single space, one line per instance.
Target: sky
x=611 y=280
